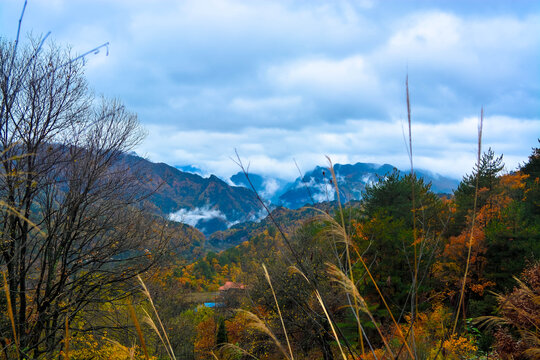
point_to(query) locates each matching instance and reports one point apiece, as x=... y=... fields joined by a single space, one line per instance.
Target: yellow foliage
x=88 y=346
x=457 y=348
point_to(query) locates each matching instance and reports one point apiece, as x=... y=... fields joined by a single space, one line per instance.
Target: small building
x=231 y=294
x=231 y=285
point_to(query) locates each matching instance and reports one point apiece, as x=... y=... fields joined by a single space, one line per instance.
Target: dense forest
x=91 y=271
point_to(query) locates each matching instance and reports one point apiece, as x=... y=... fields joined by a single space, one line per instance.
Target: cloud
x=458 y=63
x=280 y=80
x=271 y=186
x=193 y=216
x=446 y=148
x=265 y=104
x=325 y=76
x=319 y=191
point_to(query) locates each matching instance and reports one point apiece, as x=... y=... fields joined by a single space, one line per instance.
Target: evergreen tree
x=487 y=172
x=221 y=336
x=532 y=168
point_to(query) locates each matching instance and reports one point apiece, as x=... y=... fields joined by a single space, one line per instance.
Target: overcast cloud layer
x=279 y=80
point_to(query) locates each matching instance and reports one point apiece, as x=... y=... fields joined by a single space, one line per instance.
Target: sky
x=287 y=80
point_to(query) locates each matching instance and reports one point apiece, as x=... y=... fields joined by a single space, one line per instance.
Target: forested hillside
x=209 y=204
x=381 y=233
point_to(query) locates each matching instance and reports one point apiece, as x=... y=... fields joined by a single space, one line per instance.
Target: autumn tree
x=503 y=240
x=70 y=233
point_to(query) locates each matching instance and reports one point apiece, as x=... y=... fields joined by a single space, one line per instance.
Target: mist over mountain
x=209 y=204
x=269 y=188
x=315 y=186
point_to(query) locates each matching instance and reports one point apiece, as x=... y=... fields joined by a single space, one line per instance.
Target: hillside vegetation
x=305 y=254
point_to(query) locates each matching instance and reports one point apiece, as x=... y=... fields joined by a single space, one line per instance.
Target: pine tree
x=487 y=172
x=221 y=337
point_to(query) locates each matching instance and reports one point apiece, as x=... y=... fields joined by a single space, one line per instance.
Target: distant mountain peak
x=316 y=185
x=209 y=204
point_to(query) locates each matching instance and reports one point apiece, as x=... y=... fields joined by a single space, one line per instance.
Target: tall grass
x=348 y=255
x=340 y=232
x=138 y=328
x=469 y=250
x=66 y=339
x=10 y=314
x=414 y=297
x=267 y=276
x=160 y=331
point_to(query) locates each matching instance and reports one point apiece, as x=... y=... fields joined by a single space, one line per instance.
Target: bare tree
x=72 y=230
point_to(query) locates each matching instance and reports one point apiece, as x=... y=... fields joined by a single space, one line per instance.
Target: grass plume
x=339 y=231
x=161 y=334
x=479 y=154
x=138 y=328
x=10 y=314
x=279 y=311
x=347 y=251
x=348 y=285
x=256 y=323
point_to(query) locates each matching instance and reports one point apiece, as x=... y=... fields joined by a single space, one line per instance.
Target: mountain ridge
x=213 y=204
x=315 y=185
x=209 y=204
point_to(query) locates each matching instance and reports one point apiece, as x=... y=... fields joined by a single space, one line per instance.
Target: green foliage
x=392 y=196
x=388 y=234
x=513 y=237
x=221 y=336
x=487 y=172
x=532 y=167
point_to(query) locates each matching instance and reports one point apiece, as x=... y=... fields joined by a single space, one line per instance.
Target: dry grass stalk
x=478 y=159
x=225 y=348
x=138 y=328
x=339 y=277
x=522 y=313
x=413 y=178
x=338 y=230
x=66 y=339
x=11 y=209
x=319 y=298
x=10 y=314
x=152 y=324
x=349 y=262
x=279 y=311
x=128 y=351
x=256 y=323
x=531 y=338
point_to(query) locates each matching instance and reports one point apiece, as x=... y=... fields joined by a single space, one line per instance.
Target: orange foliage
x=205 y=341
x=451 y=270
x=236 y=328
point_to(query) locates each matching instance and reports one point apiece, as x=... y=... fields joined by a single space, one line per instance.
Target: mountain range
x=316 y=185
x=211 y=204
